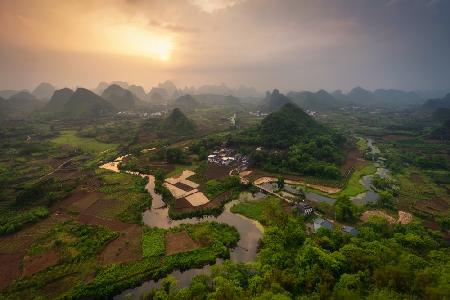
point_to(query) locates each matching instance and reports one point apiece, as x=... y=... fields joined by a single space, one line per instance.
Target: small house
x=351 y=230
x=303 y=208
x=322 y=223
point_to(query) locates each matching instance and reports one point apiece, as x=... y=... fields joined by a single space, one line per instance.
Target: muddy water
x=250 y=233
x=157 y=201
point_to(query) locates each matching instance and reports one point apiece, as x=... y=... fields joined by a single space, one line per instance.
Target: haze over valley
x=224 y=149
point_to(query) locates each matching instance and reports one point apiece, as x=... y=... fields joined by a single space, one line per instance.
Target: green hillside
x=291 y=141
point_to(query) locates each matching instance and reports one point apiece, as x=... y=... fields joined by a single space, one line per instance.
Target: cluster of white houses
x=228 y=157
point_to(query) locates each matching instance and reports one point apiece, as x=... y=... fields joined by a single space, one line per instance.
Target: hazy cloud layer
x=290 y=44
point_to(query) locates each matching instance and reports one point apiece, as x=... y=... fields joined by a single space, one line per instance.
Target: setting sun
x=135 y=41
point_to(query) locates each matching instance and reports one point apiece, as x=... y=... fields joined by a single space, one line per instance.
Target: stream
x=371 y=196
x=249 y=230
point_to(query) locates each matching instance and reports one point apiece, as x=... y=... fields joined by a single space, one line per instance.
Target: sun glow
x=136 y=41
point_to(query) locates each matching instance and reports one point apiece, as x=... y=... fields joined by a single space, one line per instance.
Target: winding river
x=371 y=196
x=249 y=230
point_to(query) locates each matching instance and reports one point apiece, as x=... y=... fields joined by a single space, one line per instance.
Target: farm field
x=85 y=144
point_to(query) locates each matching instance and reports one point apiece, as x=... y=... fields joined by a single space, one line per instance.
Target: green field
x=153 y=242
x=362 y=144
x=85 y=144
x=256 y=210
x=353 y=187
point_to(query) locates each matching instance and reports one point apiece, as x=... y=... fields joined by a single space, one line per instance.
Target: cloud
x=286 y=43
x=210 y=6
x=171 y=27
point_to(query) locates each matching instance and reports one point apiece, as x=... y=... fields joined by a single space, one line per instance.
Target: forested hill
x=293 y=142
x=287 y=126
x=178 y=123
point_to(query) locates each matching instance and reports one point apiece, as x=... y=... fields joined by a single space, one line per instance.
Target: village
x=230 y=158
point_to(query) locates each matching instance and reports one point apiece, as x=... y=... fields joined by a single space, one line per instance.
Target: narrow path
x=57 y=168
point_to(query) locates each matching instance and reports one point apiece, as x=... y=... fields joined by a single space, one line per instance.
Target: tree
x=344 y=208
x=280 y=182
x=175 y=155
x=300 y=196
x=386 y=199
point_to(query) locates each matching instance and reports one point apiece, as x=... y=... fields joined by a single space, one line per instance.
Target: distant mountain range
x=121 y=96
x=324 y=101
x=437 y=103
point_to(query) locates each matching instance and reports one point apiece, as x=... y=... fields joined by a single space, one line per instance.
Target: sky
x=285 y=44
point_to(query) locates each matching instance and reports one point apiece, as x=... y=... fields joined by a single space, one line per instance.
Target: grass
x=362 y=144
x=254 y=209
x=73 y=240
x=129 y=190
x=353 y=187
x=11 y=222
x=78 y=246
x=112 y=279
x=411 y=192
x=153 y=242
x=85 y=144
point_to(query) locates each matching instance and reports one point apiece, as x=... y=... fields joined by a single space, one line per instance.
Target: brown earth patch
x=164 y=167
x=106 y=208
x=416 y=178
x=60 y=285
x=377 y=213
x=404 y=217
x=20 y=241
x=177 y=242
x=147 y=136
x=111 y=224
x=392 y=137
x=34 y=264
x=183 y=207
x=125 y=248
x=213 y=171
x=326 y=189
x=431 y=225
x=10 y=268
x=352 y=160
x=327 y=186
x=183 y=186
x=182 y=203
x=79 y=201
x=432 y=205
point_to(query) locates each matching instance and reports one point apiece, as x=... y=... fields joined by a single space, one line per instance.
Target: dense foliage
x=215 y=187
x=293 y=142
x=382 y=262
